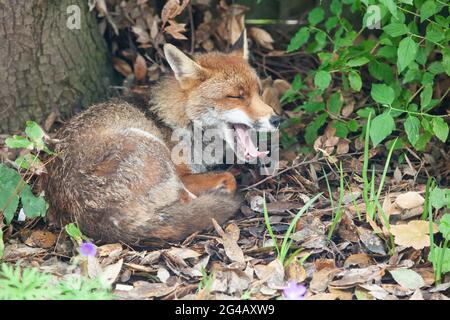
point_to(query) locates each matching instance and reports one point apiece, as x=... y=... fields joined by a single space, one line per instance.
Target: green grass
x=283 y=250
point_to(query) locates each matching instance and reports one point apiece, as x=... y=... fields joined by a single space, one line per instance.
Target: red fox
x=114 y=174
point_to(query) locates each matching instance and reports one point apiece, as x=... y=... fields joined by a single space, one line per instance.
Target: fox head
x=223 y=91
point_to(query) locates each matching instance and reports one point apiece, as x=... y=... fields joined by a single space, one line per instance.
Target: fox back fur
x=114 y=175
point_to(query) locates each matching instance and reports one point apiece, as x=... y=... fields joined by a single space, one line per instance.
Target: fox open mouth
x=245 y=147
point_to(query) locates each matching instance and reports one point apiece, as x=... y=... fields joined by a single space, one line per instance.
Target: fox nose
x=275 y=121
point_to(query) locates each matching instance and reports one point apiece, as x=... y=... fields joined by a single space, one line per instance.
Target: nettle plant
x=14 y=187
x=397 y=57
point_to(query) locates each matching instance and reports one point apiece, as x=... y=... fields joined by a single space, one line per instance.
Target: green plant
x=13 y=188
x=30 y=284
x=287 y=241
x=398 y=65
x=439 y=254
x=337 y=215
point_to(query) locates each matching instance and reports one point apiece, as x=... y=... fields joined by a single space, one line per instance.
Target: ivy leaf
x=34 y=131
x=426 y=95
x=355 y=80
x=382 y=93
x=440 y=128
x=406 y=53
x=316 y=16
x=396 y=29
x=381 y=127
x=33 y=206
x=427 y=10
x=9 y=192
x=299 y=39
x=322 y=79
x=18 y=142
x=412 y=127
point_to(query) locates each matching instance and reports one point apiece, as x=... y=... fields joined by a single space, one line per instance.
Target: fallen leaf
x=321 y=279
x=262 y=37
x=109 y=249
x=111 y=272
x=122 y=66
x=272 y=274
x=409 y=200
x=41 y=239
x=408 y=278
x=229 y=241
x=362 y=260
x=175 y=30
x=371 y=241
x=414 y=234
x=140 y=68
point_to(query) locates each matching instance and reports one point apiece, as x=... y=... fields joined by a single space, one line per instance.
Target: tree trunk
x=45 y=64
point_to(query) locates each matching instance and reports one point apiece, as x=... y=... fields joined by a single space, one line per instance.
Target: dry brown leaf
x=321 y=279
x=414 y=234
x=140 y=68
x=173 y=8
x=142 y=35
x=183 y=253
x=232 y=249
x=272 y=274
x=41 y=239
x=109 y=249
x=122 y=67
x=343 y=147
x=144 y=289
x=262 y=37
x=409 y=200
x=296 y=272
x=175 y=30
x=362 y=260
x=352 y=277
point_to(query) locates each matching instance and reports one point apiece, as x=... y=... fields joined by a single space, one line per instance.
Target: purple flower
x=87 y=249
x=294 y=291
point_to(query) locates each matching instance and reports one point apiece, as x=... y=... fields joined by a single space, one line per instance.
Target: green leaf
x=392 y=7
x=299 y=39
x=19 y=142
x=356 y=62
x=426 y=95
x=316 y=15
x=407 y=1
x=313 y=106
x=74 y=232
x=2 y=244
x=406 y=53
x=313 y=127
x=381 y=127
x=423 y=141
x=33 y=206
x=353 y=125
x=10 y=184
x=355 y=80
x=29 y=161
x=34 y=131
x=444 y=225
x=382 y=93
x=396 y=29
x=435 y=256
x=408 y=278
x=446 y=61
x=336 y=7
x=427 y=10
x=381 y=71
x=341 y=129
x=335 y=103
x=322 y=79
x=440 y=128
x=439 y=198
x=412 y=127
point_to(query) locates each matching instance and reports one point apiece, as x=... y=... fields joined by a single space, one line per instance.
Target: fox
x=113 y=174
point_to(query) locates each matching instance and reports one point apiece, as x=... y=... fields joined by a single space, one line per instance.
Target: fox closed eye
x=241 y=97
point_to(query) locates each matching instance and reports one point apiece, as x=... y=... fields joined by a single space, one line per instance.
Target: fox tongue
x=245 y=143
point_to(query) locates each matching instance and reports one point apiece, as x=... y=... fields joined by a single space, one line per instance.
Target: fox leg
x=211 y=181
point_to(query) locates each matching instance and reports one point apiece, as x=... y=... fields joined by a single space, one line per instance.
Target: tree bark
x=44 y=64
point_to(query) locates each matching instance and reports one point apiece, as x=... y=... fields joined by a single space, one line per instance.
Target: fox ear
x=241 y=45
x=183 y=66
